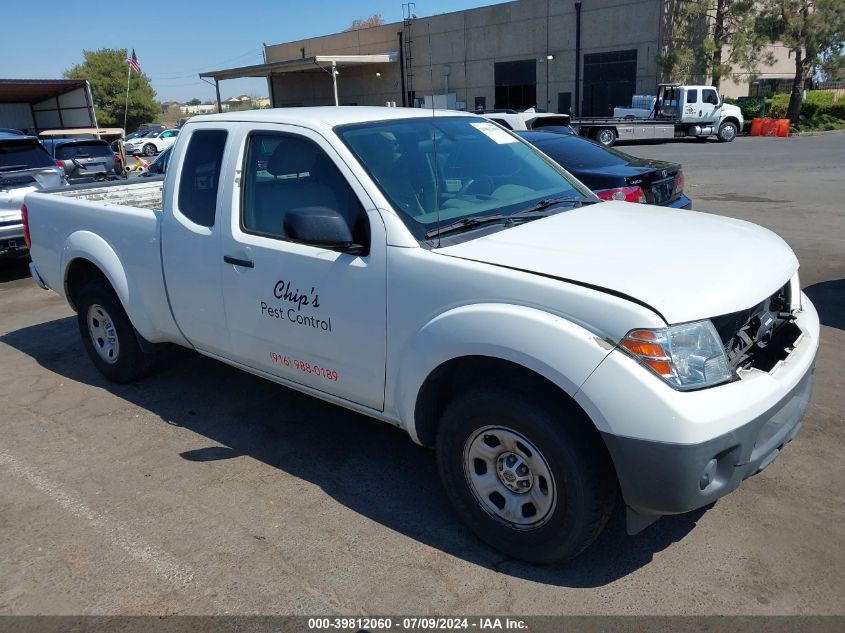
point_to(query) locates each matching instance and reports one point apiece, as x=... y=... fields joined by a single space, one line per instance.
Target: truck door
x=305 y=313
x=692 y=107
x=710 y=105
x=191 y=238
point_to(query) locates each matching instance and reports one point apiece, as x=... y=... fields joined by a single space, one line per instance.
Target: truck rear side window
x=200 y=176
x=692 y=96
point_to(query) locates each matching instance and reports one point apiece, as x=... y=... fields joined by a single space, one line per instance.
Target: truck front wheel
x=108 y=335
x=524 y=474
x=727 y=132
x=606 y=136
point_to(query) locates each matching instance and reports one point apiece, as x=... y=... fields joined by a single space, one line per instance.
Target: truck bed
x=106 y=223
x=621 y=121
x=141 y=193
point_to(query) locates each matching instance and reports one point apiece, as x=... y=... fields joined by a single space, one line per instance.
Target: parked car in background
x=84 y=159
x=129 y=137
x=529 y=120
x=151 y=144
x=159 y=166
x=611 y=174
x=24 y=167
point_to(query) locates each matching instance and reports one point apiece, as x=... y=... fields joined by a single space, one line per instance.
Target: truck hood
x=728 y=109
x=685 y=265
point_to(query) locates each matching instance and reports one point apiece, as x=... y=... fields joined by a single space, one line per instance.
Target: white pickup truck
x=434 y=271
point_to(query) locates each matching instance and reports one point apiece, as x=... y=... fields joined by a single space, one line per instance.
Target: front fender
x=92 y=247
x=557 y=349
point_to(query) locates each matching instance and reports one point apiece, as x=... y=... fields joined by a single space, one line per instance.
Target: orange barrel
x=783 y=127
x=756 y=124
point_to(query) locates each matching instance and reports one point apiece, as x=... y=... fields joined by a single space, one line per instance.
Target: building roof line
x=301 y=64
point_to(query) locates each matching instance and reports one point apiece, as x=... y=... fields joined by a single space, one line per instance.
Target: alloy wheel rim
x=509 y=477
x=606 y=137
x=728 y=131
x=103 y=334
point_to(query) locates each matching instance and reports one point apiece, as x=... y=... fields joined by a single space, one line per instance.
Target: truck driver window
x=200 y=176
x=285 y=172
x=710 y=97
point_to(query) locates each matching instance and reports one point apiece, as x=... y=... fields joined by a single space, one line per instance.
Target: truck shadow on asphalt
x=829 y=299
x=368 y=466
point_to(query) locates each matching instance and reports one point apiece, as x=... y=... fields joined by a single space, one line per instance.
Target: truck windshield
x=437 y=171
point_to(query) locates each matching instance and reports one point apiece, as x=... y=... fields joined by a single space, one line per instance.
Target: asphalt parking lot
x=206 y=490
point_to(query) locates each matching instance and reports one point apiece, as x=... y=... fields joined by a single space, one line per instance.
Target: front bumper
x=677 y=451
x=664 y=478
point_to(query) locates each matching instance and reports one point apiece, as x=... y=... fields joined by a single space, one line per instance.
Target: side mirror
x=323 y=227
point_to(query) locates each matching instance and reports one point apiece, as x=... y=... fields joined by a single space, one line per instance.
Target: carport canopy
x=39 y=104
x=316 y=63
x=35 y=90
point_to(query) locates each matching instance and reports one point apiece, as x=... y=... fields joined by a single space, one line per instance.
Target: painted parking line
x=162 y=563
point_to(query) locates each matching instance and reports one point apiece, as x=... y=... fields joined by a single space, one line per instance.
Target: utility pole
x=577 y=57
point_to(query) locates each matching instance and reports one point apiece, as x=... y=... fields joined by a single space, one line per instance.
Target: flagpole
x=126 y=107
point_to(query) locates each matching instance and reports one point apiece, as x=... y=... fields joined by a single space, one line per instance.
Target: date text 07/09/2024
x=423 y=623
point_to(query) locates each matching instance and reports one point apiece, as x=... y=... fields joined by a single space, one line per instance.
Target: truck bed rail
x=143 y=193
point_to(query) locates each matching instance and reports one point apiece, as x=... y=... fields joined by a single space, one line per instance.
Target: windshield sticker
x=494 y=132
x=295 y=308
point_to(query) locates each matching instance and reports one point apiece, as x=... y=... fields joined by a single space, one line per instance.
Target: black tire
x=606 y=136
x=149 y=149
x=583 y=478
x=727 y=132
x=130 y=362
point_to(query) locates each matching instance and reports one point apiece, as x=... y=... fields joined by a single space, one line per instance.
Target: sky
x=177 y=39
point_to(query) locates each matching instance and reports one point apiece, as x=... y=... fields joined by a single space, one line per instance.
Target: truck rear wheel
x=727 y=132
x=606 y=136
x=109 y=337
x=524 y=475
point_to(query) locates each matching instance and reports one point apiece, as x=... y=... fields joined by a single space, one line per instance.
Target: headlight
x=687 y=356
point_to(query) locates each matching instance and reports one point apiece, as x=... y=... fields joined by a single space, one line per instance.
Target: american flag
x=133 y=62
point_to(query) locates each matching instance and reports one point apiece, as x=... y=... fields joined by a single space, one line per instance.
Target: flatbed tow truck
x=678 y=112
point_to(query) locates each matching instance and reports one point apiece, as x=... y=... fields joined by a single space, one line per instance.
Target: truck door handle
x=238 y=262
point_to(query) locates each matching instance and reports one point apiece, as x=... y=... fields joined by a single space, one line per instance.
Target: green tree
x=812 y=30
x=105 y=70
x=194 y=101
x=712 y=39
x=374 y=20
